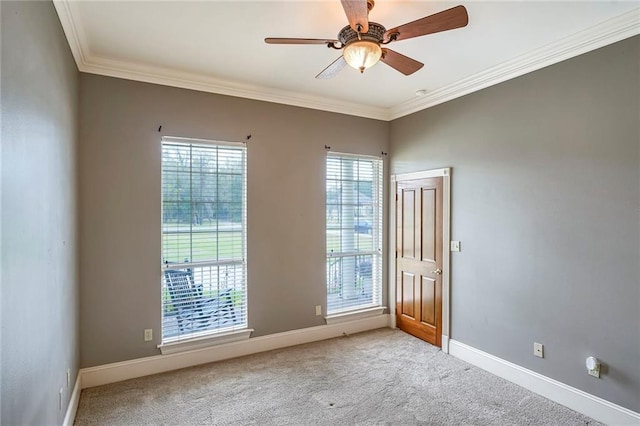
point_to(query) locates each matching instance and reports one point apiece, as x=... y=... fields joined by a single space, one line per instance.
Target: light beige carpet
x=373 y=378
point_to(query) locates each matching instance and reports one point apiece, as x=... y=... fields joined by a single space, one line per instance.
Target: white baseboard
x=72 y=408
x=445 y=344
x=116 y=372
x=580 y=401
x=392 y=321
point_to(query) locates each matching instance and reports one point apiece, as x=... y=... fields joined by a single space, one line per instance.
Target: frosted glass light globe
x=362 y=54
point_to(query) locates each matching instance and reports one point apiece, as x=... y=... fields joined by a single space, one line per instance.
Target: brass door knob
x=437 y=271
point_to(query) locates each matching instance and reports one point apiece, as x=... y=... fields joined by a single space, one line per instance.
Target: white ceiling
x=218 y=46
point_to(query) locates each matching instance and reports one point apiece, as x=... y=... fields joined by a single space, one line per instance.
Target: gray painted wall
x=120 y=177
x=39 y=280
x=546 y=202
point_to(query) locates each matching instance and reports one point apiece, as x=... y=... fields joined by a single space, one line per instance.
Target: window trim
x=356 y=314
x=213 y=337
x=365 y=310
x=195 y=141
x=206 y=340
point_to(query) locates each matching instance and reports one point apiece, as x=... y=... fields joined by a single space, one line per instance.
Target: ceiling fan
x=361 y=41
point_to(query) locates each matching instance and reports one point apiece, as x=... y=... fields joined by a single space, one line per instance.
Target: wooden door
x=419 y=258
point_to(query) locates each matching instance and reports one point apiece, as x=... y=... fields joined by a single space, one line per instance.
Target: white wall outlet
x=455 y=245
x=68 y=378
x=148 y=335
x=538 y=350
x=593 y=367
x=318 y=310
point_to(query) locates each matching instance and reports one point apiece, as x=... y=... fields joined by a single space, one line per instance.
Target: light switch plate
x=455 y=245
x=318 y=310
x=148 y=335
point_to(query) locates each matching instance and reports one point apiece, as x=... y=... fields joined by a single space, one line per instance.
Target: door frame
x=445 y=173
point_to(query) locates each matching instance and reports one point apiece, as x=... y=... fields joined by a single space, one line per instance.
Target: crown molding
x=167 y=77
x=75 y=36
x=616 y=29
x=611 y=31
x=89 y=63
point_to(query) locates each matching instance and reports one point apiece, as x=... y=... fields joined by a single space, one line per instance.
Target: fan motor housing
x=375 y=34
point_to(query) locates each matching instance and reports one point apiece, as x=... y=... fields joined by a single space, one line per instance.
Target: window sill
x=354 y=315
x=203 y=342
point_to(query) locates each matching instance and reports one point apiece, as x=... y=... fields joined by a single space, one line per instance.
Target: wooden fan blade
x=398 y=61
x=449 y=19
x=275 y=40
x=358 y=14
x=333 y=69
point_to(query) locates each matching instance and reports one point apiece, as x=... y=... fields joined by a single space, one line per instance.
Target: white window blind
x=203 y=238
x=354 y=232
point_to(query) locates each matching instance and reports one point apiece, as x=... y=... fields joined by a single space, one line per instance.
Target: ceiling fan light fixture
x=361 y=40
x=362 y=54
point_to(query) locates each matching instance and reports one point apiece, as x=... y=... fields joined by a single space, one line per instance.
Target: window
x=203 y=238
x=354 y=232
